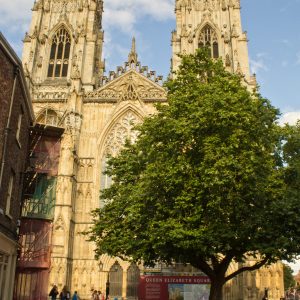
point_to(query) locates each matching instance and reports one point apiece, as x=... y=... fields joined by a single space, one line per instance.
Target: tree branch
x=204 y=267
x=215 y=262
x=225 y=263
x=249 y=268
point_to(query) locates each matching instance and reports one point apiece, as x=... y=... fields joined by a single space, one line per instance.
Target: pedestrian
x=64 y=294
x=95 y=295
x=75 y=296
x=53 y=293
x=99 y=295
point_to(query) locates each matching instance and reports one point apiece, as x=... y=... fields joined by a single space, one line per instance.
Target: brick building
x=16 y=117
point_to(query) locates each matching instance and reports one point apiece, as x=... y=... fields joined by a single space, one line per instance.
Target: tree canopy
x=289 y=281
x=205 y=183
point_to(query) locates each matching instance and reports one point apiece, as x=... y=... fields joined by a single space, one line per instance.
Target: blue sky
x=272 y=26
x=274 y=44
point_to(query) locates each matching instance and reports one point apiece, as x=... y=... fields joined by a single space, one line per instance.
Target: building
x=62 y=59
x=16 y=117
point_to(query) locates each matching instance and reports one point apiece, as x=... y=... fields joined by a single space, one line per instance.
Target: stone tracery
x=120 y=132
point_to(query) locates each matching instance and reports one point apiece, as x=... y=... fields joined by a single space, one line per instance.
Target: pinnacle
x=133 y=57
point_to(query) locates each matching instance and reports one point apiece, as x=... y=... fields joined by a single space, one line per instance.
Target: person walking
x=53 y=293
x=95 y=295
x=75 y=296
x=65 y=294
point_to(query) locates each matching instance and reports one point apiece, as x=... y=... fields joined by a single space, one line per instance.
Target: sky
x=272 y=26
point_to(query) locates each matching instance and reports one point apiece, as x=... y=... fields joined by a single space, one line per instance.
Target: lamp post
x=266 y=296
x=107 y=280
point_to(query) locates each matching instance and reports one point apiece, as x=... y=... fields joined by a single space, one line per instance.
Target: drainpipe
x=7 y=129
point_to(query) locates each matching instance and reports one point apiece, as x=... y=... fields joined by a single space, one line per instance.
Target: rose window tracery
x=121 y=131
x=115 y=141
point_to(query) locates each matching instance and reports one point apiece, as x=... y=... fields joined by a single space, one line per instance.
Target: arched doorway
x=115 y=280
x=133 y=277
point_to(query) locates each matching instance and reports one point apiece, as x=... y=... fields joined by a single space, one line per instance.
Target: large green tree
x=288 y=278
x=204 y=183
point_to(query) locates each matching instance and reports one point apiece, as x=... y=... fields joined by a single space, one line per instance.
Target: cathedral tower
x=62 y=60
x=215 y=24
x=64 y=43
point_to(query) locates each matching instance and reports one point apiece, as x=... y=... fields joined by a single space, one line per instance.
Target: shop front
x=8 y=254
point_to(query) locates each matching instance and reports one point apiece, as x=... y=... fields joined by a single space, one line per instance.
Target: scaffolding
x=35 y=238
x=39 y=200
x=31 y=285
x=38 y=203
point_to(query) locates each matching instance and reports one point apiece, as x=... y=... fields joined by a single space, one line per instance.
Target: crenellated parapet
x=132 y=64
x=132 y=81
x=130 y=85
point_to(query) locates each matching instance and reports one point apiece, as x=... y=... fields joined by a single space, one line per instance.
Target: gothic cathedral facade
x=62 y=59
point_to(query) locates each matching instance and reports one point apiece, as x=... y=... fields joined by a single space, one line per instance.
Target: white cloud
x=15 y=14
x=258 y=63
x=285 y=42
x=295 y=266
x=113 y=47
x=290 y=118
x=125 y=14
x=298 y=58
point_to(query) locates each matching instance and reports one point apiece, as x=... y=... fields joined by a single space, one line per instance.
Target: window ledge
x=57 y=81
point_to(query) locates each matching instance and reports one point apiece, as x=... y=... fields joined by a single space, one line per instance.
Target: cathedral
x=70 y=89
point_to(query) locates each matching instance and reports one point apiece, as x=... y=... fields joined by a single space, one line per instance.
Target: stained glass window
x=208 y=38
x=59 y=54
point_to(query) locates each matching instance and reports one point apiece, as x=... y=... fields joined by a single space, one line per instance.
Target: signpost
x=155 y=287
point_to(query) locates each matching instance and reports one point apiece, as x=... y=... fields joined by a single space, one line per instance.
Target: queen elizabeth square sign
x=174 y=287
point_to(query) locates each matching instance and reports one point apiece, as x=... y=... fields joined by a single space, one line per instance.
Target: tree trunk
x=216 y=290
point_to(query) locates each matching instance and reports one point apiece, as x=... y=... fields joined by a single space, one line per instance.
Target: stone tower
x=60 y=30
x=62 y=60
x=215 y=24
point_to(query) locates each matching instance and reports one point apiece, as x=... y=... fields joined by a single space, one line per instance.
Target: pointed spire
x=133 y=47
x=133 y=57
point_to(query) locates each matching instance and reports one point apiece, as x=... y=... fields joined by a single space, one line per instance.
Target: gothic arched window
x=208 y=38
x=115 y=141
x=116 y=280
x=49 y=117
x=133 y=277
x=59 y=54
